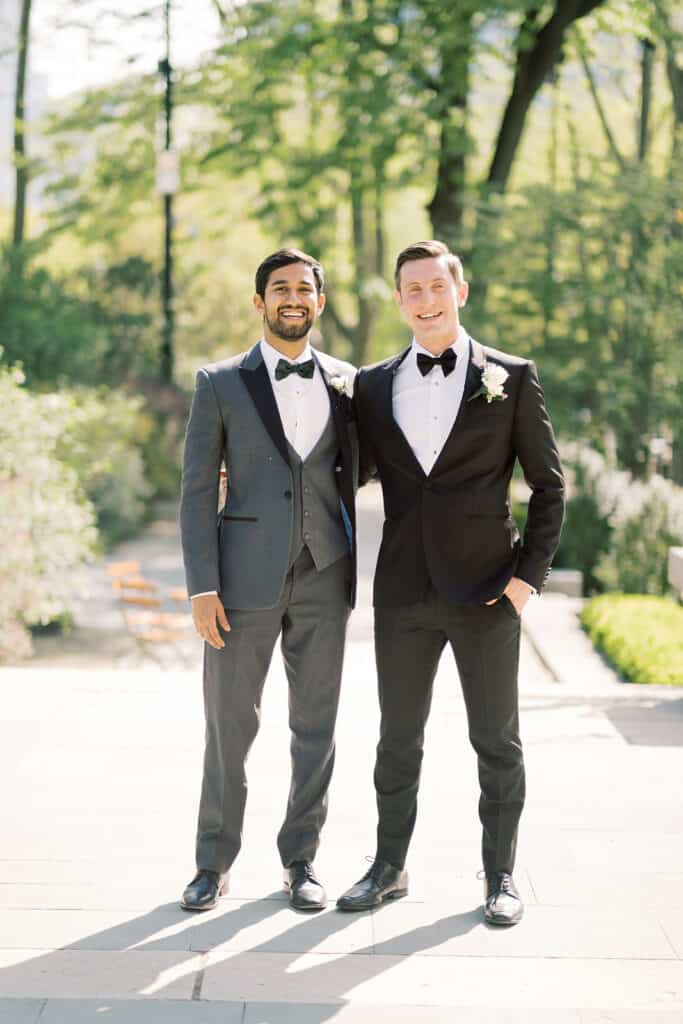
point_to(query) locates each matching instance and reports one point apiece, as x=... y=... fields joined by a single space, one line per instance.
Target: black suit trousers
x=485 y=641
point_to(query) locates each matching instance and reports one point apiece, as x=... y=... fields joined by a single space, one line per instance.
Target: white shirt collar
x=461 y=345
x=271 y=356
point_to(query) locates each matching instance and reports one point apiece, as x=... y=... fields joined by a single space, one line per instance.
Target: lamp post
x=167 y=184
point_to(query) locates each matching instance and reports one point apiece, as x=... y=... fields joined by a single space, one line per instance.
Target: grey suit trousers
x=311 y=617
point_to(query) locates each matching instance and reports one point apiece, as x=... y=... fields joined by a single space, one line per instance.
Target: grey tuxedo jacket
x=234 y=419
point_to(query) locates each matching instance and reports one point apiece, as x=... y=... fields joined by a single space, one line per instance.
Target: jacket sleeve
x=539 y=458
x=204 y=443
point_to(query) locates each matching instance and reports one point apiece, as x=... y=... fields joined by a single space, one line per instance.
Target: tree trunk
x=361 y=329
x=534 y=64
x=646 y=61
x=21 y=169
x=447 y=206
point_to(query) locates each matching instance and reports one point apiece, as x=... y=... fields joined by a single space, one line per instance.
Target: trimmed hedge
x=641 y=635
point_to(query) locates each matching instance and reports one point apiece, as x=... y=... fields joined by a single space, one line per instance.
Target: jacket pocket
x=240 y=519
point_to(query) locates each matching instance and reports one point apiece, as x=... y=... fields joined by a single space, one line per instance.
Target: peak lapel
x=474 y=371
x=475 y=368
x=336 y=407
x=256 y=379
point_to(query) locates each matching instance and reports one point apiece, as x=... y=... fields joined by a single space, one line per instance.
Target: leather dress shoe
x=204 y=890
x=503 y=904
x=305 y=891
x=382 y=882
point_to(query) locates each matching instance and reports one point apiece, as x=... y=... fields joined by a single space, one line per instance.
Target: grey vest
x=317 y=519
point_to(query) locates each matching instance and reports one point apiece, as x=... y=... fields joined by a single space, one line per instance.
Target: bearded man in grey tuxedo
x=280 y=562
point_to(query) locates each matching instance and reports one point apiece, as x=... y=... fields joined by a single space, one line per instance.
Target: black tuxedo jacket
x=454 y=527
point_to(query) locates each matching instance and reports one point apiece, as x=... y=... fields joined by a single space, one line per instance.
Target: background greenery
x=641 y=636
x=543 y=141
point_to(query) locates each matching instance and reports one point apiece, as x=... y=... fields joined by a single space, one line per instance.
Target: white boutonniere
x=340 y=386
x=493 y=378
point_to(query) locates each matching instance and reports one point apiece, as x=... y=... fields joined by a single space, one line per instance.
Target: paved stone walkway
x=101 y=768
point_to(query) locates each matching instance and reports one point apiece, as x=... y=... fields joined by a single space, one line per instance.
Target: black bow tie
x=283 y=369
x=446 y=361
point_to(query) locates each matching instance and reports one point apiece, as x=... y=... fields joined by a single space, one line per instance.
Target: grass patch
x=641 y=635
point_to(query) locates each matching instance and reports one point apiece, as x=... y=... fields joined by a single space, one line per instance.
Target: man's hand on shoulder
x=208 y=613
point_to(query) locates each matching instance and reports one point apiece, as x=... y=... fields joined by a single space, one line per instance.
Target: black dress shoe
x=203 y=891
x=305 y=891
x=382 y=882
x=503 y=903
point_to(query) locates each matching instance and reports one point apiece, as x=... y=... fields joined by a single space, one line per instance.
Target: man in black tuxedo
x=441 y=425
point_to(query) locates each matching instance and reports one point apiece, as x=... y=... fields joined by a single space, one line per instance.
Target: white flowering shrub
x=46 y=522
x=643 y=518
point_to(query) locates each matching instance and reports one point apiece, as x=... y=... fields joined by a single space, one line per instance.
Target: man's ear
x=259 y=305
x=463 y=292
x=397 y=297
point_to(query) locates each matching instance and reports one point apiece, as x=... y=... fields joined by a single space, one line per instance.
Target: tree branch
x=611 y=141
x=333 y=313
x=533 y=66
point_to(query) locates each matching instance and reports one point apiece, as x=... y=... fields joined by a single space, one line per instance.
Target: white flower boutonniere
x=493 y=378
x=340 y=386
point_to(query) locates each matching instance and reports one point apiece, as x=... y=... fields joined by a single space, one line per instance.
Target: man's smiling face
x=429 y=299
x=291 y=303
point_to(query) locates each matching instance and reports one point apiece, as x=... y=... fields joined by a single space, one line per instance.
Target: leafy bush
x=101 y=435
x=46 y=522
x=95 y=325
x=619 y=529
x=641 y=635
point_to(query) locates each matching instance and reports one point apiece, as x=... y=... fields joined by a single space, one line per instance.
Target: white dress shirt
x=425 y=408
x=304 y=405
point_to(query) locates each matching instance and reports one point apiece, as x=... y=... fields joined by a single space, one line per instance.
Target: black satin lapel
x=475 y=368
x=257 y=383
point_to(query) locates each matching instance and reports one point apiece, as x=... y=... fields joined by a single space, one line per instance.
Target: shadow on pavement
x=324 y=986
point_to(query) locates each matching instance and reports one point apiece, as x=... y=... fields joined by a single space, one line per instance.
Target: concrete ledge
x=676 y=569
x=565 y=581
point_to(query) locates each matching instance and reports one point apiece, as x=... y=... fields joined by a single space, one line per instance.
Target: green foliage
x=587 y=281
x=641 y=636
x=92 y=327
x=585 y=539
x=46 y=521
x=101 y=437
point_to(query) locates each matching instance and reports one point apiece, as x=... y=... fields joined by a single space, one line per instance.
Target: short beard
x=289 y=332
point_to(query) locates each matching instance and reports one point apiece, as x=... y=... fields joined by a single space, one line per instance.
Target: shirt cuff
x=204 y=593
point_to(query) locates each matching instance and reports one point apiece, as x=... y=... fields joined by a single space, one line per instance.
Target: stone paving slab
x=65 y=1011
x=125 y=1011
x=89 y=974
x=21 y=1011
x=573 y=932
x=489 y=982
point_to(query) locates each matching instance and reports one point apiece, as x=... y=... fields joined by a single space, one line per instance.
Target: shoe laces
x=304 y=867
x=503 y=880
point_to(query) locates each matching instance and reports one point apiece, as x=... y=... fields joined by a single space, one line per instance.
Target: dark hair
x=425 y=251
x=282 y=258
